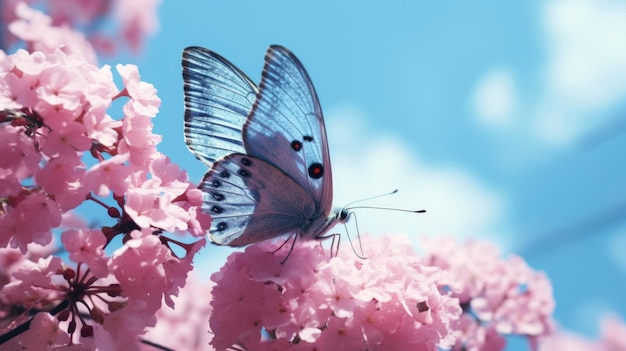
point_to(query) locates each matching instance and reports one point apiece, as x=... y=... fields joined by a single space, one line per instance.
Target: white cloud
x=585 y=71
x=366 y=164
x=495 y=98
x=582 y=78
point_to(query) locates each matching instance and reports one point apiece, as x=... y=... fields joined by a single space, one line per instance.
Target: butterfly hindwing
x=218 y=99
x=286 y=127
x=251 y=200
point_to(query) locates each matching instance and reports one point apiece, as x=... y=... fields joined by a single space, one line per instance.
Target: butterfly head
x=341 y=214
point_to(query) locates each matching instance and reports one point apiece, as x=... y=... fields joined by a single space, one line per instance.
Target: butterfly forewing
x=286 y=127
x=241 y=194
x=218 y=99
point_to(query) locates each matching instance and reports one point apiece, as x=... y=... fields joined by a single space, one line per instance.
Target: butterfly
x=266 y=147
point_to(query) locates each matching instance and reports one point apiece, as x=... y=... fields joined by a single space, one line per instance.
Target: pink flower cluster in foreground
x=393 y=300
x=75 y=25
x=62 y=150
x=499 y=296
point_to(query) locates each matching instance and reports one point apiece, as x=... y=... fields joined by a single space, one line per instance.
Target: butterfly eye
x=224 y=174
x=217 y=196
x=242 y=172
x=316 y=170
x=246 y=161
x=296 y=145
x=217 y=209
x=343 y=214
x=216 y=183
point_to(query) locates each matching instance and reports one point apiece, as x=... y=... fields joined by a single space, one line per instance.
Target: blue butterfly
x=266 y=147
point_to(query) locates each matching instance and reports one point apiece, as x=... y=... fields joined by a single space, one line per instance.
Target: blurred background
x=504 y=120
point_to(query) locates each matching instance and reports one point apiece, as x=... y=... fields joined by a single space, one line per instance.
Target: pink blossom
x=106 y=24
x=139 y=141
x=36 y=29
x=44 y=330
x=144 y=101
x=61 y=177
x=148 y=270
x=87 y=246
x=100 y=126
x=500 y=296
x=329 y=303
x=185 y=326
x=138 y=267
x=29 y=221
x=137 y=18
x=150 y=208
x=19 y=156
x=110 y=175
x=167 y=176
x=69 y=139
x=33 y=284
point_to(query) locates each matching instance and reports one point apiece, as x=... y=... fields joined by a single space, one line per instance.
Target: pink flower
x=500 y=296
x=36 y=29
x=152 y=208
x=66 y=140
x=185 y=326
x=61 y=177
x=44 y=331
x=87 y=246
x=29 y=221
x=144 y=101
x=100 y=126
x=33 y=284
x=110 y=175
x=19 y=156
x=137 y=19
x=331 y=304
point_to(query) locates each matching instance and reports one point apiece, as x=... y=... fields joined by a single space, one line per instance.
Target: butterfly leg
x=335 y=236
x=293 y=244
x=358 y=235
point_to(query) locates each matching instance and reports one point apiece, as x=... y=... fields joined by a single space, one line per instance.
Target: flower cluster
x=62 y=150
x=390 y=301
x=499 y=296
x=74 y=24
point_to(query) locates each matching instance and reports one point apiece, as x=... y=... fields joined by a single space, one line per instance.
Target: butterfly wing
x=286 y=127
x=250 y=200
x=218 y=99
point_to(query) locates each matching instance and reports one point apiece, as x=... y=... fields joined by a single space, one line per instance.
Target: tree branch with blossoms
x=63 y=154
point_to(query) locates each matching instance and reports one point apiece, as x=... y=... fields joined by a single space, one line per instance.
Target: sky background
x=504 y=120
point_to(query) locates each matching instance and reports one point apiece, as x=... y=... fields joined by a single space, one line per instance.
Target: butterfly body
x=266 y=146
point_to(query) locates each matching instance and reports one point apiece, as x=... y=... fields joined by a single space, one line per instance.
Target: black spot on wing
x=316 y=170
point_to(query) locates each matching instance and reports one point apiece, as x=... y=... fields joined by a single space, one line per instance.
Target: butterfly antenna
x=347 y=207
x=386 y=209
x=371 y=198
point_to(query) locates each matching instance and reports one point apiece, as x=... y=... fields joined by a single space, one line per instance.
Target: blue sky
x=504 y=120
